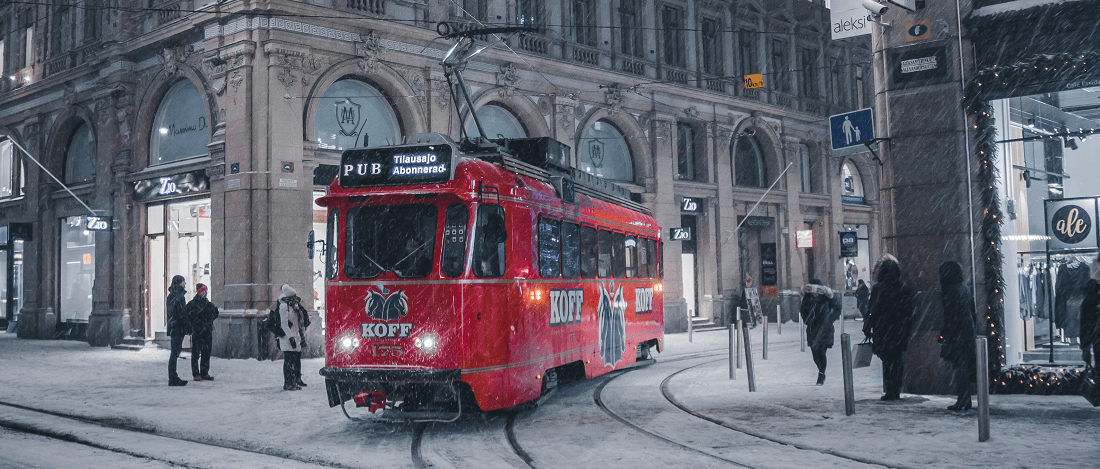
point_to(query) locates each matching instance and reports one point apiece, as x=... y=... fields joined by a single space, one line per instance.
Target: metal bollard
x=690 y=331
x=733 y=347
x=778 y=320
x=738 y=336
x=801 y=333
x=748 y=360
x=765 y=339
x=842 y=320
x=983 y=388
x=849 y=386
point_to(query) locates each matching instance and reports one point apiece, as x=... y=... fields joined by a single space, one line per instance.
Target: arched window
x=748 y=163
x=348 y=110
x=603 y=152
x=498 y=122
x=80 y=157
x=180 y=128
x=851 y=190
x=11 y=170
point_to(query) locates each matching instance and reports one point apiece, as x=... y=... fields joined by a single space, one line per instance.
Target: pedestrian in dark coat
x=202 y=313
x=293 y=319
x=958 y=333
x=1090 y=317
x=179 y=326
x=819 y=311
x=863 y=297
x=889 y=325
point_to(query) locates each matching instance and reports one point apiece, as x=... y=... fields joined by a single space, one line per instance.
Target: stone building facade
x=203 y=134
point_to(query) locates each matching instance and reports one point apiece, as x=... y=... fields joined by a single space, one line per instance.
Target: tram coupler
x=373 y=401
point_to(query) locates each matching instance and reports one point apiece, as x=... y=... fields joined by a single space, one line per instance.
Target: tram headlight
x=347 y=343
x=426 y=342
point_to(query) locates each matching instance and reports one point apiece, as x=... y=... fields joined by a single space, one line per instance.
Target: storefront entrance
x=177 y=243
x=11 y=277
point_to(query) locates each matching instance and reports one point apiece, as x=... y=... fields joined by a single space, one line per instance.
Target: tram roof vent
x=543 y=152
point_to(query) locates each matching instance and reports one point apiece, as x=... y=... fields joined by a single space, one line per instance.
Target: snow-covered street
x=113 y=408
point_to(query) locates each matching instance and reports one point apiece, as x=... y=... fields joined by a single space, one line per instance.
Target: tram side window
x=549 y=247
x=643 y=258
x=489 y=256
x=656 y=269
x=603 y=266
x=618 y=255
x=330 y=248
x=631 y=258
x=570 y=250
x=454 y=240
x=589 y=252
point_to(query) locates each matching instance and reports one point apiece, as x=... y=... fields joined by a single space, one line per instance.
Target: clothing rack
x=1072 y=259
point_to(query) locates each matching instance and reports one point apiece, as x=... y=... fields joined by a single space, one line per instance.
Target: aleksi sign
x=849 y=18
x=171 y=186
x=429 y=164
x=1071 y=224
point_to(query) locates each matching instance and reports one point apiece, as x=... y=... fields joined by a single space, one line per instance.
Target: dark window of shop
x=604 y=153
x=630 y=34
x=77 y=270
x=747 y=52
x=809 y=73
x=835 y=87
x=61 y=38
x=583 y=19
x=454 y=240
x=80 y=157
x=392 y=238
x=549 y=247
x=476 y=9
x=748 y=163
x=91 y=14
x=589 y=252
x=860 y=92
x=180 y=129
x=690 y=163
x=333 y=234
x=11 y=170
x=618 y=255
x=570 y=250
x=530 y=13
x=489 y=241
x=712 y=47
x=603 y=263
x=672 y=36
x=810 y=169
x=643 y=257
x=631 y=257
x=352 y=114
x=780 y=66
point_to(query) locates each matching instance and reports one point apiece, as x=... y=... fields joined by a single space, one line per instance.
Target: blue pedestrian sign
x=852 y=128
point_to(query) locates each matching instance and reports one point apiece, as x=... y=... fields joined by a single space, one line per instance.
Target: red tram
x=481 y=273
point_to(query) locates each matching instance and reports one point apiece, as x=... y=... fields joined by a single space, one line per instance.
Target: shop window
x=490 y=236
x=11 y=170
x=589 y=252
x=390 y=238
x=809 y=73
x=690 y=163
x=604 y=152
x=851 y=185
x=584 y=22
x=454 y=240
x=549 y=248
x=712 y=47
x=672 y=36
x=570 y=250
x=747 y=52
x=180 y=128
x=80 y=157
x=630 y=29
x=498 y=122
x=354 y=114
x=77 y=269
x=530 y=13
x=476 y=9
x=780 y=66
x=748 y=163
x=603 y=259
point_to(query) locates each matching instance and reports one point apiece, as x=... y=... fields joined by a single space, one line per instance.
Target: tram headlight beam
x=427 y=342
x=347 y=343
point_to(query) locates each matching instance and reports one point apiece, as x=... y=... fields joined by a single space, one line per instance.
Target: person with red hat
x=202 y=313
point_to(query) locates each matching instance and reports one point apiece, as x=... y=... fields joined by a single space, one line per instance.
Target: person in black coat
x=1090 y=317
x=863 y=296
x=202 y=313
x=958 y=333
x=179 y=326
x=889 y=325
x=819 y=311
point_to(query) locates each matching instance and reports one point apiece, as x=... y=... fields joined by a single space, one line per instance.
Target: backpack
x=272 y=323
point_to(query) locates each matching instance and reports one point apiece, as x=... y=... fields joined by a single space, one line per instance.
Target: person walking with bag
x=818 y=312
x=202 y=313
x=958 y=333
x=890 y=323
x=1090 y=317
x=179 y=326
x=293 y=320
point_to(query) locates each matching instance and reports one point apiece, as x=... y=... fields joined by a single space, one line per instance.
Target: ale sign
x=1071 y=224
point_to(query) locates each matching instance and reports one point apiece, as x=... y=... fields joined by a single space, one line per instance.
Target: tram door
x=687 y=263
x=178 y=244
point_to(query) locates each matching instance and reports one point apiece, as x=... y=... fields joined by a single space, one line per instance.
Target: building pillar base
x=105 y=328
x=37 y=323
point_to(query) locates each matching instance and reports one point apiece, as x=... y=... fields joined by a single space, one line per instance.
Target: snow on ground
x=246 y=407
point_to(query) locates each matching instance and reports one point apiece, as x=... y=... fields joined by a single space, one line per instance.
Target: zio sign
x=94 y=223
x=689 y=204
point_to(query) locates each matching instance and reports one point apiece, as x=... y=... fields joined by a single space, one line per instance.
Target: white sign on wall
x=849 y=19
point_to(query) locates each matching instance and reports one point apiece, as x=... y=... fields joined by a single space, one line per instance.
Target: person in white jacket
x=293 y=320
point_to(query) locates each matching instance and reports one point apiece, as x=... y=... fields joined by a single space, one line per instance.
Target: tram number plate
x=387 y=350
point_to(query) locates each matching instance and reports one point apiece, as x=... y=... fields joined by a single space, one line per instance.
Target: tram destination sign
x=396 y=166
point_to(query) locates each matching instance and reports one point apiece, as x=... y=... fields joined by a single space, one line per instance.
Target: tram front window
x=395 y=238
